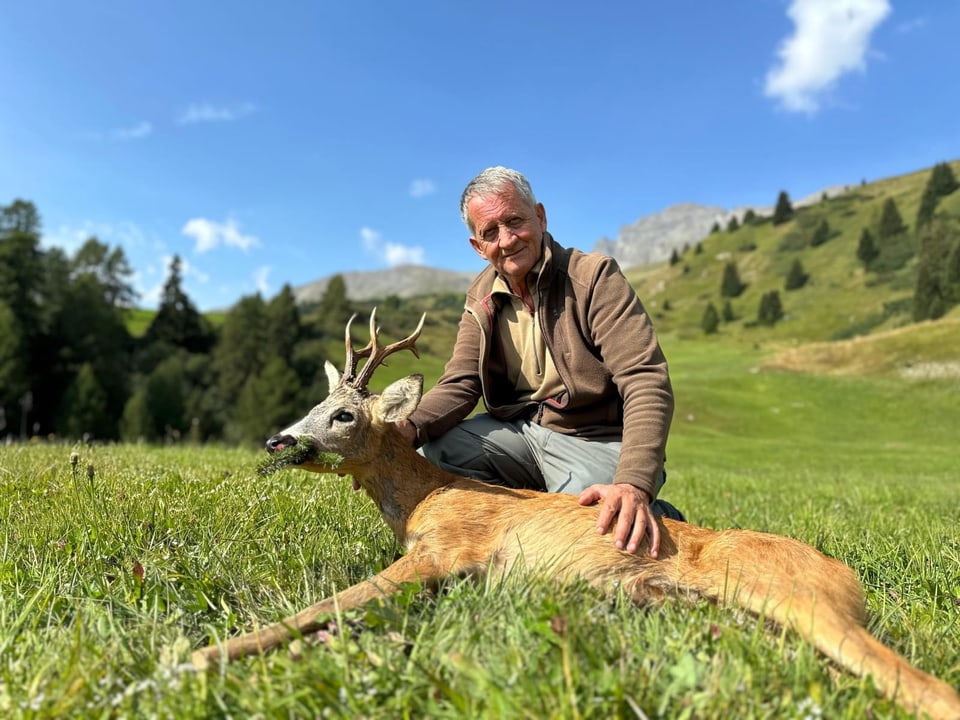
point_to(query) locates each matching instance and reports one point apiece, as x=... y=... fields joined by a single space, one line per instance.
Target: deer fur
x=454 y=526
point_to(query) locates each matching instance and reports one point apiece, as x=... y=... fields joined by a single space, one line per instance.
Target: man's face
x=508 y=233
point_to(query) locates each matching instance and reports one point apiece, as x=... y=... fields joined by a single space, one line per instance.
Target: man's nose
x=506 y=236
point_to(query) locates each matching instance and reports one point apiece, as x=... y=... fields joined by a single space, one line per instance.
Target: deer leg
x=409 y=568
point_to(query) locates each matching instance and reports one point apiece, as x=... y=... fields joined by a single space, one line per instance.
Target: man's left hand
x=631 y=506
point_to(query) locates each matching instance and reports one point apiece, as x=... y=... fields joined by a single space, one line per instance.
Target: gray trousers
x=522 y=454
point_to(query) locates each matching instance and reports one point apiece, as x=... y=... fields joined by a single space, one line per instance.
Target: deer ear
x=333 y=377
x=400 y=399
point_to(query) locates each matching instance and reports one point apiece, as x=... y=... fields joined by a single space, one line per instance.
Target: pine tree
x=731 y=285
x=88 y=331
x=937 y=269
x=242 y=349
x=13 y=358
x=334 y=308
x=733 y=225
x=136 y=425
x=867 y=250
x=85 y=408
x=727 y=312
x=783 y=210
x=263 y=407
x=942 y=180
x=821 y=234
x=177 y=321
x=796 y=277
x=715 y=228
x=283 y=328
x=891 y=224
x=674 y=257
x=749 y=217
x=928 y=205
x=21 y=271
x=952 y=274
x=771 y=310
x=710 y=321
x=928 y=300
x=940 y=184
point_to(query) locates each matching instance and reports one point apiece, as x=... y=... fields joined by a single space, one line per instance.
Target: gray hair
x=491 y=182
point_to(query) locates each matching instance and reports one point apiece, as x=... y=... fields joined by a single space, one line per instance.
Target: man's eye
x=514 y=223
x=343 y=416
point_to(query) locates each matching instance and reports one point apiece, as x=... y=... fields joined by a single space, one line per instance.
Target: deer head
x=347 y=431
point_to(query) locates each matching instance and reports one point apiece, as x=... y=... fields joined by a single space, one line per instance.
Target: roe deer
x=450 y=525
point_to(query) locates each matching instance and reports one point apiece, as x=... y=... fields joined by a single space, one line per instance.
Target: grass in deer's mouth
x=298 y=454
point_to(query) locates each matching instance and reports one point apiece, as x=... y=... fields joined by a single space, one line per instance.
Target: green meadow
x=118 y=560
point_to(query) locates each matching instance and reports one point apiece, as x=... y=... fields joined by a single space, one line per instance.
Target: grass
x=117 y=561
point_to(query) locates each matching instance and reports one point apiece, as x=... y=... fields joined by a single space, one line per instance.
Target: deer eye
x=343 y=416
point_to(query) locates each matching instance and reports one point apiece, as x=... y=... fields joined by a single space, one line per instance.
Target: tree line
x=70 y=368
x=884 y=247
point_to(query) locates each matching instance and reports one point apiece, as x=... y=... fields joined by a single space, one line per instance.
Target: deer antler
x=374 y=352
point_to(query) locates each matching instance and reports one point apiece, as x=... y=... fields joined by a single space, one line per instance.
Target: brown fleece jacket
x=605 y=350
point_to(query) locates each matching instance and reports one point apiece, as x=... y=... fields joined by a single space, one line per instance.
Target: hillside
x=653 y=238
x=840 y=300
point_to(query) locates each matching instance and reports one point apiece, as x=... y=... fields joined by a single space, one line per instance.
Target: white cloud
x=137 y=132
x=393 y=254
x=209 y=234
x=370 y=239
x=403 y=255
x=422 y=188
x=134 y=132
x=204 y=112
x=831 y=38
x=260 y=276
x=909 y=26
x=70 y=237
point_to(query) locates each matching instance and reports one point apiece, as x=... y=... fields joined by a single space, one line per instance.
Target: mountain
x=404 y=281
x=653 y=238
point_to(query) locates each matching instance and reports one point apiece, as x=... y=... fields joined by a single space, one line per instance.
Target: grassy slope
x=839 y=300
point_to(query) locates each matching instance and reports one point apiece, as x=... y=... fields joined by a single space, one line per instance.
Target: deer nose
x=279 y=442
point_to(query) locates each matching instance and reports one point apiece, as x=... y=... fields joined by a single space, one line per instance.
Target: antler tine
x=353 y=356
x=378 y=353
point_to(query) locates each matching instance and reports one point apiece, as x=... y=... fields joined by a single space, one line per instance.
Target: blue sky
x=272 y=143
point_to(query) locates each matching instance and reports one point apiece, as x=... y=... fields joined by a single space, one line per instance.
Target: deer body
x=450 y=525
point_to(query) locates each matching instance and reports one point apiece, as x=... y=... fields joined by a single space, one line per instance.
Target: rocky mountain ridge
x=650 y=239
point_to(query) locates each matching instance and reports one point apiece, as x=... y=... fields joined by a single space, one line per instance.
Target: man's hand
x=635 y=517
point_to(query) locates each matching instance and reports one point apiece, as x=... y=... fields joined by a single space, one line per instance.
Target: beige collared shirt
x=530 y=367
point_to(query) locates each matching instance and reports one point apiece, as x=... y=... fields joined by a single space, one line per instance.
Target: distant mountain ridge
x=653 y=238
x=404 y=281
x=650 y=239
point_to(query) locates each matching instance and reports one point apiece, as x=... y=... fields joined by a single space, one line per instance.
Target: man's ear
x=542 y=214
x=478 y=247
x=400 y=398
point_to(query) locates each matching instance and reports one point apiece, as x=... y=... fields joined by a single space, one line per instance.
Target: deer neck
x=399 y=480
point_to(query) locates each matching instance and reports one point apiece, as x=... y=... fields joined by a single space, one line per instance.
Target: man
x=560 y=349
